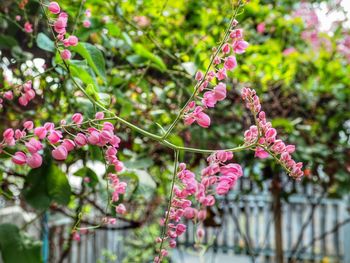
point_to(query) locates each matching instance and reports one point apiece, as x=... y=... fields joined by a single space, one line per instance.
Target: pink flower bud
x=8 y=134
x=80 y=139
x=54 y=8
x=87 y=23
x=8 y=95
x=226 y=48
x=54 y=136
x=29 y=125
x=77 y=118
x=40 y=132
x=19 y=158
x=230 y=63
x=60 y=153
x=34 y=160
x=99 y=115
x=199 y=75
x=68 y=144
x=33 y=145
x=65 y=54
x=200 y=233
x=28 y=27
x=120 y=209
x=72 y=40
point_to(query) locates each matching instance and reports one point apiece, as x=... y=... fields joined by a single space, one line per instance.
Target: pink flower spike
x=60 y=153
x=34 y=160
x=230 y=63
x=65 y=54
x=19 y=158
x=54 y=8
x=77 y=118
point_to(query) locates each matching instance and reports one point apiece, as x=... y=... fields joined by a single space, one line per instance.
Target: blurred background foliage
x=151 y=50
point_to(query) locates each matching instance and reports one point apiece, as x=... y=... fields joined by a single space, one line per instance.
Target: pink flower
x=261 y=153
x=80 y=139
x=226 y=48
x=19 y=134
x=223 y=156
x=230 y=63
x=68 y=144
x=54 y=8
x=240 y=46
x=99 y=115
x=8 y=95
x=40 y=132
x=34 y=160
x=77 y=118
x=87 y=23
x=8 y=134
x=76 y=236
x=289 y=51
x=202 y=215
x=200 y=233
x=94 y=138
x=190 y=213
x=18 y=18
x=199 y=75
x=232 y=169
x=29 y=125
x=220 y=91
x=60 y=153
x=209 y=100
x=33 y=145
x=180 y=229
x=72 y=40
x=237 y=33
x=28 y=27
x=260 y=28
x=65 y=54
x=221 y=74
x=202 y=119
x=61 y=24
x=19 y=158
x=54 y=136
x=23 y=100
x=120 y=209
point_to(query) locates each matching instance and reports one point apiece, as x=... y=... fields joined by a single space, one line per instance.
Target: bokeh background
x=298 y=62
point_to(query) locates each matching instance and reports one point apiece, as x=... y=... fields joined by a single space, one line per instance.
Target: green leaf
x=16 y=247
x=93 y=56
x=87 y=172
x=157 y=61
x=58 y=186
x=7 y=42
x=79 y=69
x=45 y=43
x=45 y=185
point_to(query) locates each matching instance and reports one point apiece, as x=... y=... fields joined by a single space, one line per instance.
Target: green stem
x=176 y=161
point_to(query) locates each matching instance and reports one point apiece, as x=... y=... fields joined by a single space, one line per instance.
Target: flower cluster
x=217 y=175
x=266 y=137
x=25 y=92
x=59 y=26
x=32 y=139
x=224 y=61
